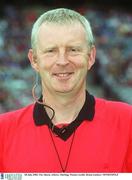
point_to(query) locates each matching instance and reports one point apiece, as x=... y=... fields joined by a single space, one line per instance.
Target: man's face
x=62 y=57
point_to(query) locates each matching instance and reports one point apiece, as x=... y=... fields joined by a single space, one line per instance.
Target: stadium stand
x=111 y=77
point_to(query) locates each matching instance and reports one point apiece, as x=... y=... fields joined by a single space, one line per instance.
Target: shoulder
x=16 y=116
x=114 y=108
x=113 y=115
x=113 y=104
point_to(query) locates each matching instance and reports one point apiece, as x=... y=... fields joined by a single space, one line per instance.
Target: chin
x=63 y=91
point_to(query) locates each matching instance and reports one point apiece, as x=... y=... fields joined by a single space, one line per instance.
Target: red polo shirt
x=99 y=140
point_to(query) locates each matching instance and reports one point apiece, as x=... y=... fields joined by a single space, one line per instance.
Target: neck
x=63 y=104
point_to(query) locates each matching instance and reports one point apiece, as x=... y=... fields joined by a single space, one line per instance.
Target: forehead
x=58 y=33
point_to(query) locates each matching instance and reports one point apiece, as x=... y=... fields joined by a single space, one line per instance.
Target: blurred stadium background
x=111 y=76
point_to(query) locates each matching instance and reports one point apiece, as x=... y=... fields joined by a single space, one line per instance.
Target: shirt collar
x=86 y=113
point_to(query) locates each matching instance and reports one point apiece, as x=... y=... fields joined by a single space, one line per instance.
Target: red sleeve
x=129 y=152
x=1 y=148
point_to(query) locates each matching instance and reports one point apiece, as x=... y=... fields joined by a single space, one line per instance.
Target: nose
x=62 y=59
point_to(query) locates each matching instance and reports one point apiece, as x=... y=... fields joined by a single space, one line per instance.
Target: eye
x=74 y=49
x=50 y=50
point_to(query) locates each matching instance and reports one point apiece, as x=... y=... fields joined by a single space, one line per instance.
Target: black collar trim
x=87 y=113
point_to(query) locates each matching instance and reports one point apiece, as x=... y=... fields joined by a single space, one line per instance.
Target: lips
x=62 y=74
x=65 y=75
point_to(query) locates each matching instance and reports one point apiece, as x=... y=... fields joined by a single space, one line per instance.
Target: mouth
x=63 y=76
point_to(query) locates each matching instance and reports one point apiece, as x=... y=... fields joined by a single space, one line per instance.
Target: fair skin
x=62 y=58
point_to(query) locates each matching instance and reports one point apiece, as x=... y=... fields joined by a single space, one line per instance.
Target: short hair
x=61 y=16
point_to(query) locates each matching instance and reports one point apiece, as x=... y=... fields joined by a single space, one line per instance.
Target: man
x=67 y=129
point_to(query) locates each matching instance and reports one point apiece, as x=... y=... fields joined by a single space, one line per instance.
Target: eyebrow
x=76 y=45
x=47 y=48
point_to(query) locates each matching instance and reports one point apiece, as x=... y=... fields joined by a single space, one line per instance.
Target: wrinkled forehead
x=55 y=28
x=54 y=33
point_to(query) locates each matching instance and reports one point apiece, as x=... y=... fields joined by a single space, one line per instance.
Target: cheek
x=80 y=63
x=45 y=64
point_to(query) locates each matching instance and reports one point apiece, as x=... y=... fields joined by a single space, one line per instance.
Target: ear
x=91 y=57
x=33 y=59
